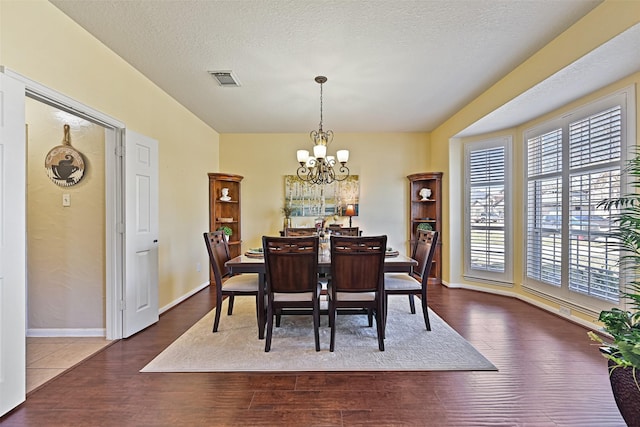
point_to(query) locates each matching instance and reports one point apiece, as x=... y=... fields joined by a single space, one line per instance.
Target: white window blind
x=486 y=250
x=594 y=141
x=571 y=168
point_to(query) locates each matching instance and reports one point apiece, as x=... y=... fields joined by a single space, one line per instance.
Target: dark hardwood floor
x=549 y=374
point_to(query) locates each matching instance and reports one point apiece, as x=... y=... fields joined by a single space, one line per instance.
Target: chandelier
x=321 y=168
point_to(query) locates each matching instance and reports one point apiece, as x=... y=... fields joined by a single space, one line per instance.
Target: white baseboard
x=99 y=332
x=66 y=332
x=184 y=297
x=524 y=298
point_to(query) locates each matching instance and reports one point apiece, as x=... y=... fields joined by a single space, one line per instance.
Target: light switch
x=66 y=200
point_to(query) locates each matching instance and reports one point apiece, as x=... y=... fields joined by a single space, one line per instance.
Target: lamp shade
x=303 y=155
x=350 y=211
x=319 y=151
x=343 y=156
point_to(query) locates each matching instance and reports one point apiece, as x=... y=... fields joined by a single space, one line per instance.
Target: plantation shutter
x=486 y=171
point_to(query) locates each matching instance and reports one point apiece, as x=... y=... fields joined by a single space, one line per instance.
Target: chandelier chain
x=321 y=107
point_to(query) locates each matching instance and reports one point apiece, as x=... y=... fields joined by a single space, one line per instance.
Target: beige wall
x=382 y=161
x=66 y=245
x=41 y=43
x=519 y=201
x=603 y=23
x=454 y=255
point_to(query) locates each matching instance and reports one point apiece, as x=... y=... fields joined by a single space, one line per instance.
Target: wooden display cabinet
x=427 y=211
x=226 y=212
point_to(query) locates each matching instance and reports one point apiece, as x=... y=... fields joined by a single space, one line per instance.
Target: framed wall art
x=313 y=200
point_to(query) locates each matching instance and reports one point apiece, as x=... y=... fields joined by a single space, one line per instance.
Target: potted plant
x=623 y=350
x=425 y=226
x=226 y=230
x=287 y=210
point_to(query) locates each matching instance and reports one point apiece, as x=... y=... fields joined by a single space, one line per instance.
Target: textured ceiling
x=392 y=66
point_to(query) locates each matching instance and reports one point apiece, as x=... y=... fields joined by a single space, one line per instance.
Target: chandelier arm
x=344 y=173
x=329 y=136
x=331 y=175
x=302 y=171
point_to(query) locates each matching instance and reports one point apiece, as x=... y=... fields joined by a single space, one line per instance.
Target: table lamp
x=350 y=212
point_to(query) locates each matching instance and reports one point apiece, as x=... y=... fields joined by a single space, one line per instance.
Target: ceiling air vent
x=225 y=78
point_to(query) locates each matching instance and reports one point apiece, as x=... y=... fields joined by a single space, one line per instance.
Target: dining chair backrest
x=357 y=280
x=291 y=263
x=300 y=231
x=423 y=252
x=357 y=263
x=218 y=250
x=346 y=231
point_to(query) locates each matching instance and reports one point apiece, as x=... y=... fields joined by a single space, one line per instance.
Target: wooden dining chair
x=346 y=231
x=227 y=285
x=300 y=231
x=416 y=283
x=291 y=266
x=357 y=279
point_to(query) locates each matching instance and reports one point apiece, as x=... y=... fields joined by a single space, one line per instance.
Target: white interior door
x=12 y=244
x=141 y=233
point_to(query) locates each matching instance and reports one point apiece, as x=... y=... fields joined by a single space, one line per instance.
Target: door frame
x=114 y=193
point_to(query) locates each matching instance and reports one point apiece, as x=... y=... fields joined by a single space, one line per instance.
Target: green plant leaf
x=624 y=326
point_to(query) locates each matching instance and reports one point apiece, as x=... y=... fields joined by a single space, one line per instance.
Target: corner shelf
x=226 y=208
x=427 y=211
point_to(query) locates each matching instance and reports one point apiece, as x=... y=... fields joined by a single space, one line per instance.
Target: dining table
x=254 y=263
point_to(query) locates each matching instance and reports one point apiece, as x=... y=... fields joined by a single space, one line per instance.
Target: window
x=487 y=247
x=572 y=164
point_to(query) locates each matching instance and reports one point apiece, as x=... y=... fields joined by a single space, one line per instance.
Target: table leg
x=260 y=307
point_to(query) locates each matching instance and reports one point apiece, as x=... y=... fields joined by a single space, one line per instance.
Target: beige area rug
x=236 y=347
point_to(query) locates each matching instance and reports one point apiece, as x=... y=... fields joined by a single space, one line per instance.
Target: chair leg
x=316 y=324
x=230 y=309
x=412 y=304
x=370 y=316
x=332 y=322
x=216 y=321
x=267 y=341
x=425 y=310
x=386 y=304
x=380 y=327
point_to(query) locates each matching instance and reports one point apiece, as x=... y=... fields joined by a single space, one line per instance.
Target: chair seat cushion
x=297 y=296
x=241 y=283
x=400 y=281
x=355 y=296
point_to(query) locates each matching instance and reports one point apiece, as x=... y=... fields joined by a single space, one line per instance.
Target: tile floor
x=48 y=357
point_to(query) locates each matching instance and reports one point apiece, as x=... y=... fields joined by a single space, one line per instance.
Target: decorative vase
x=626 y=392
x=287 y=223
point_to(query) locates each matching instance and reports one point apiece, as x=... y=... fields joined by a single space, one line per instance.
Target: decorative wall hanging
x=307 y=199
x=64 y=164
